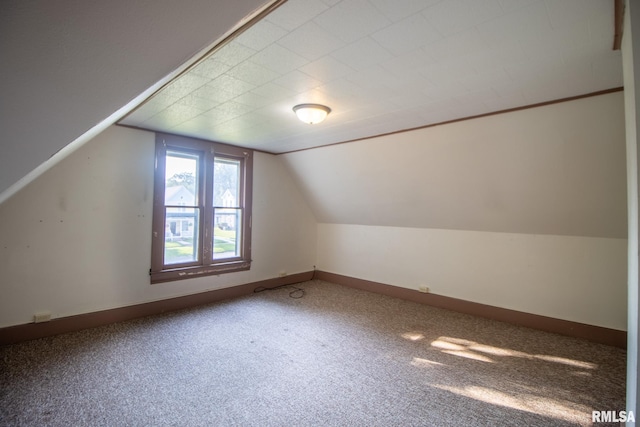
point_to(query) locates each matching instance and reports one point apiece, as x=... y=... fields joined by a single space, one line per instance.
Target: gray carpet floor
x=334 y=357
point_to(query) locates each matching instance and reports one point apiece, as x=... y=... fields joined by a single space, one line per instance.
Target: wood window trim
x=205 y=266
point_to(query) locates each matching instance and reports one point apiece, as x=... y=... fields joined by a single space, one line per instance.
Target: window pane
x=226 y=233
x=226 y=182
x=181 y=176
x=181 y=235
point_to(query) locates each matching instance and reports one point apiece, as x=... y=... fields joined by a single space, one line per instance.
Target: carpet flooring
x=336 y=356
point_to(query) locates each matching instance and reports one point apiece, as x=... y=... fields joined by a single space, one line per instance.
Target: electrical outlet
x=424 y=288
x=43 y=316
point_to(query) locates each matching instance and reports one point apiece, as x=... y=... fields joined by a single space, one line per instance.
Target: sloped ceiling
x=381 y=65
x=387 y=65
x=554 y=170
x=69 y=65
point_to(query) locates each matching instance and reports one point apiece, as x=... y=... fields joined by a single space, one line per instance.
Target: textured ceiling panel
x=387 y=65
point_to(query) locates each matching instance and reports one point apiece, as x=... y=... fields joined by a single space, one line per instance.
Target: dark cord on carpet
x=295 y=293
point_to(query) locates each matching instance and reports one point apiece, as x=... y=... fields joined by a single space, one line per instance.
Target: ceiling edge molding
x=493 y=113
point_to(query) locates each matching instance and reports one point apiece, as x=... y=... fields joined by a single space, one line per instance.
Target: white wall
x=524 y=210
x=582 y=279
x=631 y=71
x=78 y=239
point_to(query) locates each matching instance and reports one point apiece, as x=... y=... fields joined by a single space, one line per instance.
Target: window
x=201 y=209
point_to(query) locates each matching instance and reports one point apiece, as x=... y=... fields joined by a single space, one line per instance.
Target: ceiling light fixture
x=311 y=113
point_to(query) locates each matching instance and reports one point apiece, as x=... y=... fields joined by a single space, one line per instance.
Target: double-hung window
x=201 y=208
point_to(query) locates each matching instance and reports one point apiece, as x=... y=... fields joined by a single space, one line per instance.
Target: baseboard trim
x=31 y=331
x=598 y=334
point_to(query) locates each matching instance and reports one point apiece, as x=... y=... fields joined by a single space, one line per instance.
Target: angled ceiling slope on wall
x=553 y=170
x=70 y=68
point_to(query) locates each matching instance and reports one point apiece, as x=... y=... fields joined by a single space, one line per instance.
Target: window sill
x=170 y=275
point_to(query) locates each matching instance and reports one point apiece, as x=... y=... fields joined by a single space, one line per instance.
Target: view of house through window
x=227 y=211
x=202 y=208
x=182 y=214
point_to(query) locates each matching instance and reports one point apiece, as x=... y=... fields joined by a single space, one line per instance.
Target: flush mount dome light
x=311 y=113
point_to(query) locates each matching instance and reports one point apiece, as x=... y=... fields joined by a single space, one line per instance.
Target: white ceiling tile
x=377 y=80
x=173 y=116
x=400 y=9
x=452 y=16
x=326 y=69
x=275 y=114
x=297 y=81
x=183 y=86
x=476 y=97
x=210 y=68
x=537 y=73
x=486 y=78
x=199 y=125
x=310 y=41
x=231 y=85
x=314 y=96
x=213 y=93
x=342 y=88
x=506 y=89
x=498 y=55
x=229 y=130
x=253 y=73
x=462 y=43
x=568 y=12
x=527 y=23
x=233 y=53
x=408 y=66
x=445 y=91
x=292 y=14
x=513 y=5
x=273 y=91
x=362 y=54
x=257 y=118
x=408 y=100
x=407 y=35
x=252 y=99
x=193 y=101
x=351 y=20
x=576 y=36
x=218 y=116
x=279 y=59
x=448 y=71
x=235 y=108
x=261 y=35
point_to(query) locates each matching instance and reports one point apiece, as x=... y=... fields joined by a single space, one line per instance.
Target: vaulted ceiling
x=384 y=66
x=71 y=68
